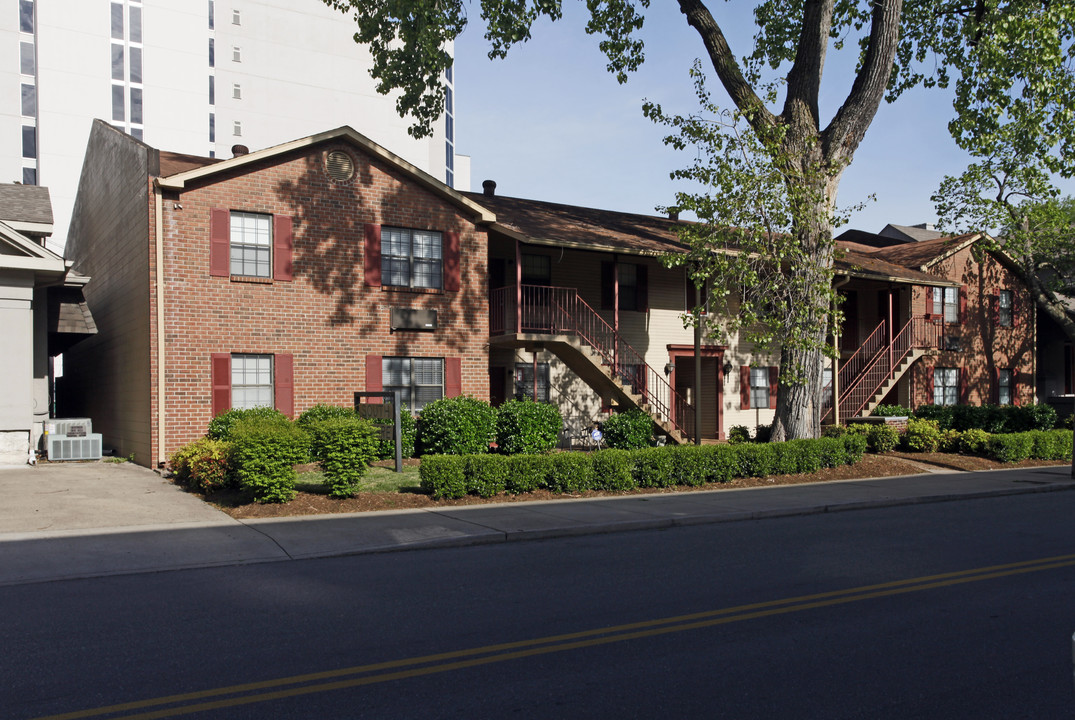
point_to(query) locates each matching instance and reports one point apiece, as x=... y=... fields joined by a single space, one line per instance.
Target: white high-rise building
x=191 y=76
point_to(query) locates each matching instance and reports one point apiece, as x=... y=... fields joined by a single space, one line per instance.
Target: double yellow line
x=296 y=685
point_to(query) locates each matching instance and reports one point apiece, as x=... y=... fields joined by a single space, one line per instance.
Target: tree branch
x=804 y=79
x=843 y=135
x=728 y=71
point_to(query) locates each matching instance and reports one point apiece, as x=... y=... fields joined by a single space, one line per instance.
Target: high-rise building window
x=26 y=16
x=212 y=54
x=29 y=142
x=236 y=54
x=235 y=18
x=29 y=100
x=236 y=92
x=136 y=24
x=136 y=105
x=212 y=127
x=29 y=176
x=136 y=65
x=211 y=22
x=212 y=90
x=117 y=61
x=27 y=62
x=137 y=133
x=237 y=129
x=117 y=21
x=117 y=103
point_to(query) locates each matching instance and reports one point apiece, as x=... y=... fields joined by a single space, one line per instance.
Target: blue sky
x=550 y=123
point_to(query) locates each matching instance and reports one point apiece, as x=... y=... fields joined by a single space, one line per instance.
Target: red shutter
x=964 y=391
x=453 y=377
x=283 y=378
x=1015 y=386
x=774 y=377
x=371 y=256
x=452 y=271
x=996 y=308
x=1015 y=315
x=929 y=301
x=744 y=387
x=219 y=243
x=963 y=304
x=221 y=382
x=608 y=280
x=643 y=288
x=931 y=386
x=996 y=386
x=374 y=377
x=282 y=247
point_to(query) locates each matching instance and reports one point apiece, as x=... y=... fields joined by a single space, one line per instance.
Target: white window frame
x=250 y=246
x=403 y=266
x=1005 y=308
x=945 y=386
x=251 y=381
x=421 y=380
x=949 y=304
x=1004 y=386
x=759 y=387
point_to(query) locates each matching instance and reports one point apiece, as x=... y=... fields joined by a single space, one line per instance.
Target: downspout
x=158 y=239
x=836 y=357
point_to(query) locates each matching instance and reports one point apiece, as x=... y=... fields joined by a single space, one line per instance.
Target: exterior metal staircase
x=558 y=320
x=875 y=368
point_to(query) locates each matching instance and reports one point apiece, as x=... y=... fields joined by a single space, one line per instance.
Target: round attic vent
x=339 y=166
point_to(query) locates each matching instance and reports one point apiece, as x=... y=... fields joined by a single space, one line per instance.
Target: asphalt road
x=949 y=610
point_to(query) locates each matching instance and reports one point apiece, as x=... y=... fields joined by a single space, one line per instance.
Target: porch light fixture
x=668 y=368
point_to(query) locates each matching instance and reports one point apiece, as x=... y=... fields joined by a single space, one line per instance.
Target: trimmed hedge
x=447 y=476
x=265 y=451
x=456 y=426
x=525 y=426
x=1033 y=444
x=991 y=418
x=345 y=447
x=220 y=427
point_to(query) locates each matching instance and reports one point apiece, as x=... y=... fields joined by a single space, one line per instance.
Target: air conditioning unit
x=63 y=447
x=71 y=427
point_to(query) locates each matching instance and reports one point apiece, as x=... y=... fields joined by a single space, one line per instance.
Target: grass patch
x=377 y=480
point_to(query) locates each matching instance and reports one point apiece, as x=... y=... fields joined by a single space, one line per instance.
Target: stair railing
x=560 y=311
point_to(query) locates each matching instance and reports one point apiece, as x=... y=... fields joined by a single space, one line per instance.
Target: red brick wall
x=985 y=346
x=326 y=317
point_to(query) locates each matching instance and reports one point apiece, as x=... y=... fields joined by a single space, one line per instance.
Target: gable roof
x=924 y=255
x=189 y=168
x=18 y=252
x=910 y=233
x=27 y=208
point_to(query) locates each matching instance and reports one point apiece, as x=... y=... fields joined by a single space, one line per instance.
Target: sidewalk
x=64 y=521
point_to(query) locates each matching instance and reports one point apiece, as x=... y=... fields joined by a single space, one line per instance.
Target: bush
x=525 y=426
x=408 y=430
x=613 y=470
x=785 y=457
x=486 y=475
x=973 y=442
x=858 y=429
x=570 y=472
x=527 y=473
x=738 y=434
x=755 y=460
x=922 y=435
x=855 y=445
x=321 y=412
x=1051 y=445
x=345 y=446
x=653 y=467
x=1042 y=416
x=941 y=413
x=456 y=426
x=692 y=465
x=762 y=433
x=205 y=465
x=265 y=451
x=950 y=440
x=629 y=430
x=1011 y=447
x=832 y=452
x=833 y=431
x=891 y=411
x=442 y=476
x=221 y=426
x=882 y=438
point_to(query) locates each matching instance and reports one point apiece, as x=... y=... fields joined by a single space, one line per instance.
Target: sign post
x=382 y=410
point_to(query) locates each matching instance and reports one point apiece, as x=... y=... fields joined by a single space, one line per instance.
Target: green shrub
x=891 y=411
x=941 y=413
x=922 y=435
x=833 y=431
x=950 y=440
x=807 y=454
x=882 y=438
x=855 y=445
x=1011 y=447
x=628 y=430
x=832 y=452
x=755 y=460
x=570 y=472
x=525 y=426
x=345 y=447
x=723 y=465
x=527 y=473
x=205 y=465
x=973 y=442
x=762 y=433
x=408 y=430
x=456 y=426
x=221 y=426
x=321 y=412
x=785 y=458
x=738 y=434
x=858 y=429
x=692 y=465
x=442 y=476
x=486 y=475
x=1064 y=423
x=613 y=470
x=1051 y=445
x=1043 y=416
x=265 y=451
x=653 y=467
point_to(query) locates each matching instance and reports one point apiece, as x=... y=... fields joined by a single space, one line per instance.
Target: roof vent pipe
x=237 y=150
x=673 y=215
x=489 y=188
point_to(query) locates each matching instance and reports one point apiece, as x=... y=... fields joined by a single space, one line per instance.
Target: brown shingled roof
x=572 y=225
x=172 y=163
x=921 y=254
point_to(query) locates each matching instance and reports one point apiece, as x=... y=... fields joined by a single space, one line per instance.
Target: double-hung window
x=412 y=258
x=419 y=381
x=759 y=387
x=1004 y=308
x=251 y=381
x=1004 y=387
x=251 y=244
x=945 y=386
x=950 y=304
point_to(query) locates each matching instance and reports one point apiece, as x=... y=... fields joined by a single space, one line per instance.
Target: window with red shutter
x=744 y=387
x=219 y=242
x=282 y=247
